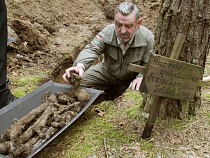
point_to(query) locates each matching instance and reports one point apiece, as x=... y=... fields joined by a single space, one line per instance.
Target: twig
x=206 y=99
x=94 y=153
x=105 y=147
x=10 y=70
x=116 y=153
x=172 y=148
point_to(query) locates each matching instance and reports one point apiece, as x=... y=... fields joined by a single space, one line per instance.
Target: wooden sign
x=171 y=78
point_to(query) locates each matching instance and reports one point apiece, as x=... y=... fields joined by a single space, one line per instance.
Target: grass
x=208 y=116
x=91 y=137
x=22 y=91
x=24 y=84
x=175 y=123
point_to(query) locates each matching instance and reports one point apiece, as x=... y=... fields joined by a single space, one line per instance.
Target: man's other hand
x=135 y=84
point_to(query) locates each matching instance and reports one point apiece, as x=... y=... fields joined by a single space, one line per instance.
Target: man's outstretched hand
x=77 y=69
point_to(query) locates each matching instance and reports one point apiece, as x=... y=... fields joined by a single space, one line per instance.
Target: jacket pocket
x=112 y=63
x=137 y=61
x=112 y=58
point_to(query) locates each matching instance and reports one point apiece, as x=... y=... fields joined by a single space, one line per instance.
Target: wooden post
x=158 y=100
x=152 y=117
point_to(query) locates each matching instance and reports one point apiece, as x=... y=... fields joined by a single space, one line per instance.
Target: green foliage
x=207 y=95
x=157 y=120
x=133 y=111
x=66 y=56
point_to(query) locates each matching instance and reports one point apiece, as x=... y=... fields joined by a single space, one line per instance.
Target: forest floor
x=49 y=35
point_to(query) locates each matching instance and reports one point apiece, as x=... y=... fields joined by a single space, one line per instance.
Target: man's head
x=127 y=21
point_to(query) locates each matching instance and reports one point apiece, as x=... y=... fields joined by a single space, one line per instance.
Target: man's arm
x=135 y=84
x=87 y=56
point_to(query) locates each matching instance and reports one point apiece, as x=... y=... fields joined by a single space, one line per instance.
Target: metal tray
x=24 y=105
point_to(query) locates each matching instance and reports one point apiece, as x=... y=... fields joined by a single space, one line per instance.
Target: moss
x=207 y=95
x=28 y=80
x=133 y=111
x=25 y=84
x=136 y=98
x=106 y=106
x=133 y=95
x=20 y=92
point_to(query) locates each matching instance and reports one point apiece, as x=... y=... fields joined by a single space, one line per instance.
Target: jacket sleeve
x=149 y=50
x=92 y=51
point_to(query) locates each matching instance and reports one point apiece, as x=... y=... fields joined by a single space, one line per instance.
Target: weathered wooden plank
x=136 y=68
x=171 y=78
x=177 y=47
x=142 y=69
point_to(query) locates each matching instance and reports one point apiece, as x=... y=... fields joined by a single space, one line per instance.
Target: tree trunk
x=191 y=17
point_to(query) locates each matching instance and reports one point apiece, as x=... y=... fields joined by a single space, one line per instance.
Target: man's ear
x=139 y=23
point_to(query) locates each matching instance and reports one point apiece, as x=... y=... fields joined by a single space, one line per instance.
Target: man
x=5 y=95
x=122 y=43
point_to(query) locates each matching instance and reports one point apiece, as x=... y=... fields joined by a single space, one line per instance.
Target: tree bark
x=191 y=17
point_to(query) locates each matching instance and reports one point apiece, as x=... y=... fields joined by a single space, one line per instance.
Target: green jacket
x=114 y=62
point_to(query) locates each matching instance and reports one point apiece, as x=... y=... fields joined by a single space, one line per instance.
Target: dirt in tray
x=27 y=134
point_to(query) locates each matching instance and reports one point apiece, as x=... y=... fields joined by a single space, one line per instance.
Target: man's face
x=126 y=26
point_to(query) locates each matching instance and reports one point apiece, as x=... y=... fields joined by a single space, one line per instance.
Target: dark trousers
x=5 y=93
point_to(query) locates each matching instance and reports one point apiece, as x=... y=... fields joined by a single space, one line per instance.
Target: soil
x=50 y=34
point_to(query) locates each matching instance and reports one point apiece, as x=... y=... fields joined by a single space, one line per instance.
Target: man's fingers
x=71 y=69
x=81 y=72
x=67 y=74
x=137 y=86
x=133 y=85
x=65 y=78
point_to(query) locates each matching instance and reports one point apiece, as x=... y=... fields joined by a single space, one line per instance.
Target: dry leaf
x=99 y=112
